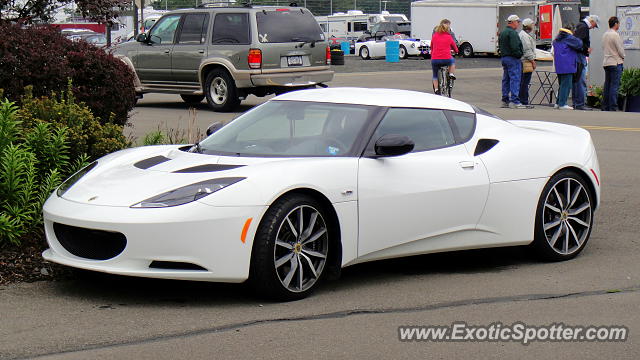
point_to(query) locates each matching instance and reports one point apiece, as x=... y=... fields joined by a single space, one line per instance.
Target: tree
x=42 y=11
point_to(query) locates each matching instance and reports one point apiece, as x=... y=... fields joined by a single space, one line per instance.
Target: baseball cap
x=527 y=22
x=595 y=19
x=512 y=18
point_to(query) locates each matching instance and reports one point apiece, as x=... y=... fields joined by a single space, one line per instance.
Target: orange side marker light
x=243 y=236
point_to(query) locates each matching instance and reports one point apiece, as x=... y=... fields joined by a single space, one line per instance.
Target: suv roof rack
x=224 y=3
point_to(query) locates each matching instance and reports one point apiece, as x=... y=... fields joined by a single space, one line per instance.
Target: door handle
x=166 y=51
x=467 y=164
x=201 y=51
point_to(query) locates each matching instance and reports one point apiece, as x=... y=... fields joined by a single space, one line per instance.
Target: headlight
x=187 y=194
x=74 y=178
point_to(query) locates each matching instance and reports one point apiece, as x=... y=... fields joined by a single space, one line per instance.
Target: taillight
x=255 y=58
x=328 y=56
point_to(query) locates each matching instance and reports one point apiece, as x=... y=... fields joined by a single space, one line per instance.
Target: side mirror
x=142 y=37
x=214 y=127
x=367 y=32
x=394 y=145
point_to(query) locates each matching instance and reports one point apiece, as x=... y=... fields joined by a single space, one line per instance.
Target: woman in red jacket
x=442 y=44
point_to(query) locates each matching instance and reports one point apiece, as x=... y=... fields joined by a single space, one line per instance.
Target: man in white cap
x=511 y=52
x=580 y=80
x=528 y=59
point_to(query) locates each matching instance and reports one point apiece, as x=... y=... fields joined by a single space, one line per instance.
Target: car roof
x=378 y=97
x=238 y=8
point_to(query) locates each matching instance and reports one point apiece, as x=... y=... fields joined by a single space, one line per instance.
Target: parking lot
x=357 y=316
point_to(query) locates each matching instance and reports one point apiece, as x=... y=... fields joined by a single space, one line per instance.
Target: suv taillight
x=328 y=56
x=255 y=59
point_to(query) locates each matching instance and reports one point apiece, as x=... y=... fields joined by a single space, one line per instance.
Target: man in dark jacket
x=511 y=52
x=580 y=79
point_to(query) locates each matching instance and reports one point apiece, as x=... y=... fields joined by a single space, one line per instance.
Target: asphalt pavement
x=108 y=317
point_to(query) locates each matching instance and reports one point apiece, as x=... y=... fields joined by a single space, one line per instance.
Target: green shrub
x=33 y=162
x=83 y=129
x=630 y=82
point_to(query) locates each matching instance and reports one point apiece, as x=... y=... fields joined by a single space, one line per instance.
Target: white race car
x=408 y=47
x=315 y=180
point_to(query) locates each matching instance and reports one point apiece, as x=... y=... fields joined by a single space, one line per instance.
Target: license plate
x=294 y=60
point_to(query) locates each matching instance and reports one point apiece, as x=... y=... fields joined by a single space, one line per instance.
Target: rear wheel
x=402 y=52
x=466 y=50
x=364 y=53
x=443 y=82
x=221 y=91
x=192 y=99
x=564 y=217
x=291 y=248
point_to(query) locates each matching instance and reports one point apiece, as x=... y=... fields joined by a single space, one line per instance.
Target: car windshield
x=287 y=25
x=291 y=129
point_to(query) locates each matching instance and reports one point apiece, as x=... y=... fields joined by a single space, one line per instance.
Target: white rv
x=476 y=24
x=353 y=23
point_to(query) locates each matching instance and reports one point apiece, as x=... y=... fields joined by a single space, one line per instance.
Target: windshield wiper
x=307 y=41
x=196 y=148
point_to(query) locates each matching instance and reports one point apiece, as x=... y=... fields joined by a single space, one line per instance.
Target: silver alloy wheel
x=566 y=216
x=218 y=91
x=364 y=52
x=301 y=248
x=403 y=52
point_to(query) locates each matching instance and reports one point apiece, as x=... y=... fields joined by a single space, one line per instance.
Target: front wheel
x=564 y=217
x=291 y=248
x=221 y=91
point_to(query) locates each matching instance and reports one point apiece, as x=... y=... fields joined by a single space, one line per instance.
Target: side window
x=429 y=129
x=359 y=26
x=464 y=122
x=193 y=30
x=165 y=29
x=231 y=28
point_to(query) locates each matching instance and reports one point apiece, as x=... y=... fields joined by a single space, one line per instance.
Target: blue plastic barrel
x=392 y=48
x=345 y=46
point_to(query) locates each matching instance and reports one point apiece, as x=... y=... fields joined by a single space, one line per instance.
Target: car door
x=154 y=56
x=436 y=189
x=190 y=48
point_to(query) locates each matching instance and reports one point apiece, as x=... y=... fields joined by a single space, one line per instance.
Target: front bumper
x=292 y=79
x=194 y=233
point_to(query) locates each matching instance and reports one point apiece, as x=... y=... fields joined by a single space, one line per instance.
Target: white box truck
x=476 y=24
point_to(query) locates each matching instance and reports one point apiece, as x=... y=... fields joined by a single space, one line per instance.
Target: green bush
x=33 y=162
x=630 y=82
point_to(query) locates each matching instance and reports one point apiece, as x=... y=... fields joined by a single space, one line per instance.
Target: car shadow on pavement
x=118 y=291
x=177 y=105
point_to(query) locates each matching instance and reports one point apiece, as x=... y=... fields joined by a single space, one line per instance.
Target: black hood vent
x=207 y=168
x=150 y=162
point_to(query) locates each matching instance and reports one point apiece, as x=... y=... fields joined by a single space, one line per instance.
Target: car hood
x=127 y=177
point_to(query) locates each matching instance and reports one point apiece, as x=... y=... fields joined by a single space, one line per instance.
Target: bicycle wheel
x=442 y=81
x=450 y=84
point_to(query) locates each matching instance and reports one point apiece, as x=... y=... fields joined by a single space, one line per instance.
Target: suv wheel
x=221 y=91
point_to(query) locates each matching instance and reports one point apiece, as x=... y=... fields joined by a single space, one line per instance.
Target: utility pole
x=135 y=20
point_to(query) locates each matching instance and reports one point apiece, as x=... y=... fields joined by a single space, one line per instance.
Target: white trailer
x=476 y=24
x=353 y=23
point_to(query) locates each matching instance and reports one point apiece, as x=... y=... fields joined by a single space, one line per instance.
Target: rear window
x=290 y=25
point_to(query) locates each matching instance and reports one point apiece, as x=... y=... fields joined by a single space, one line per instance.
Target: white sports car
x=315 y=180
x=407 y=47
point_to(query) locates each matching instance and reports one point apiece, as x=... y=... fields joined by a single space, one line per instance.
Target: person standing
x=528 y=59
x=565 y=58
x=580 y=81
x=442 y=44
x=511 y=52
x=613 y=65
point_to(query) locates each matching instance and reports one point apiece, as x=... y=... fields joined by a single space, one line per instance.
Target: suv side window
x=194 y=29
x=165 y=29
x=428 y=128
x=231 y=28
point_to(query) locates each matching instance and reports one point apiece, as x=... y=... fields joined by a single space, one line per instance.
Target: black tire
x=268 y=278
x=443 y=82
x=220 y=90
x=402 y=52
x=364 y=53
x=192 y=99
x=466 y=50
x=563 y=242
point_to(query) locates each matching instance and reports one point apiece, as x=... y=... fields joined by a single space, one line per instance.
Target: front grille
x=90 y=243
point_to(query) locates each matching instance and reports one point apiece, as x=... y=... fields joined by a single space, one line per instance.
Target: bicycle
x=445 y=82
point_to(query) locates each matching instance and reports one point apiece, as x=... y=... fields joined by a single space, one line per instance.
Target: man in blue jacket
x=580 y=80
